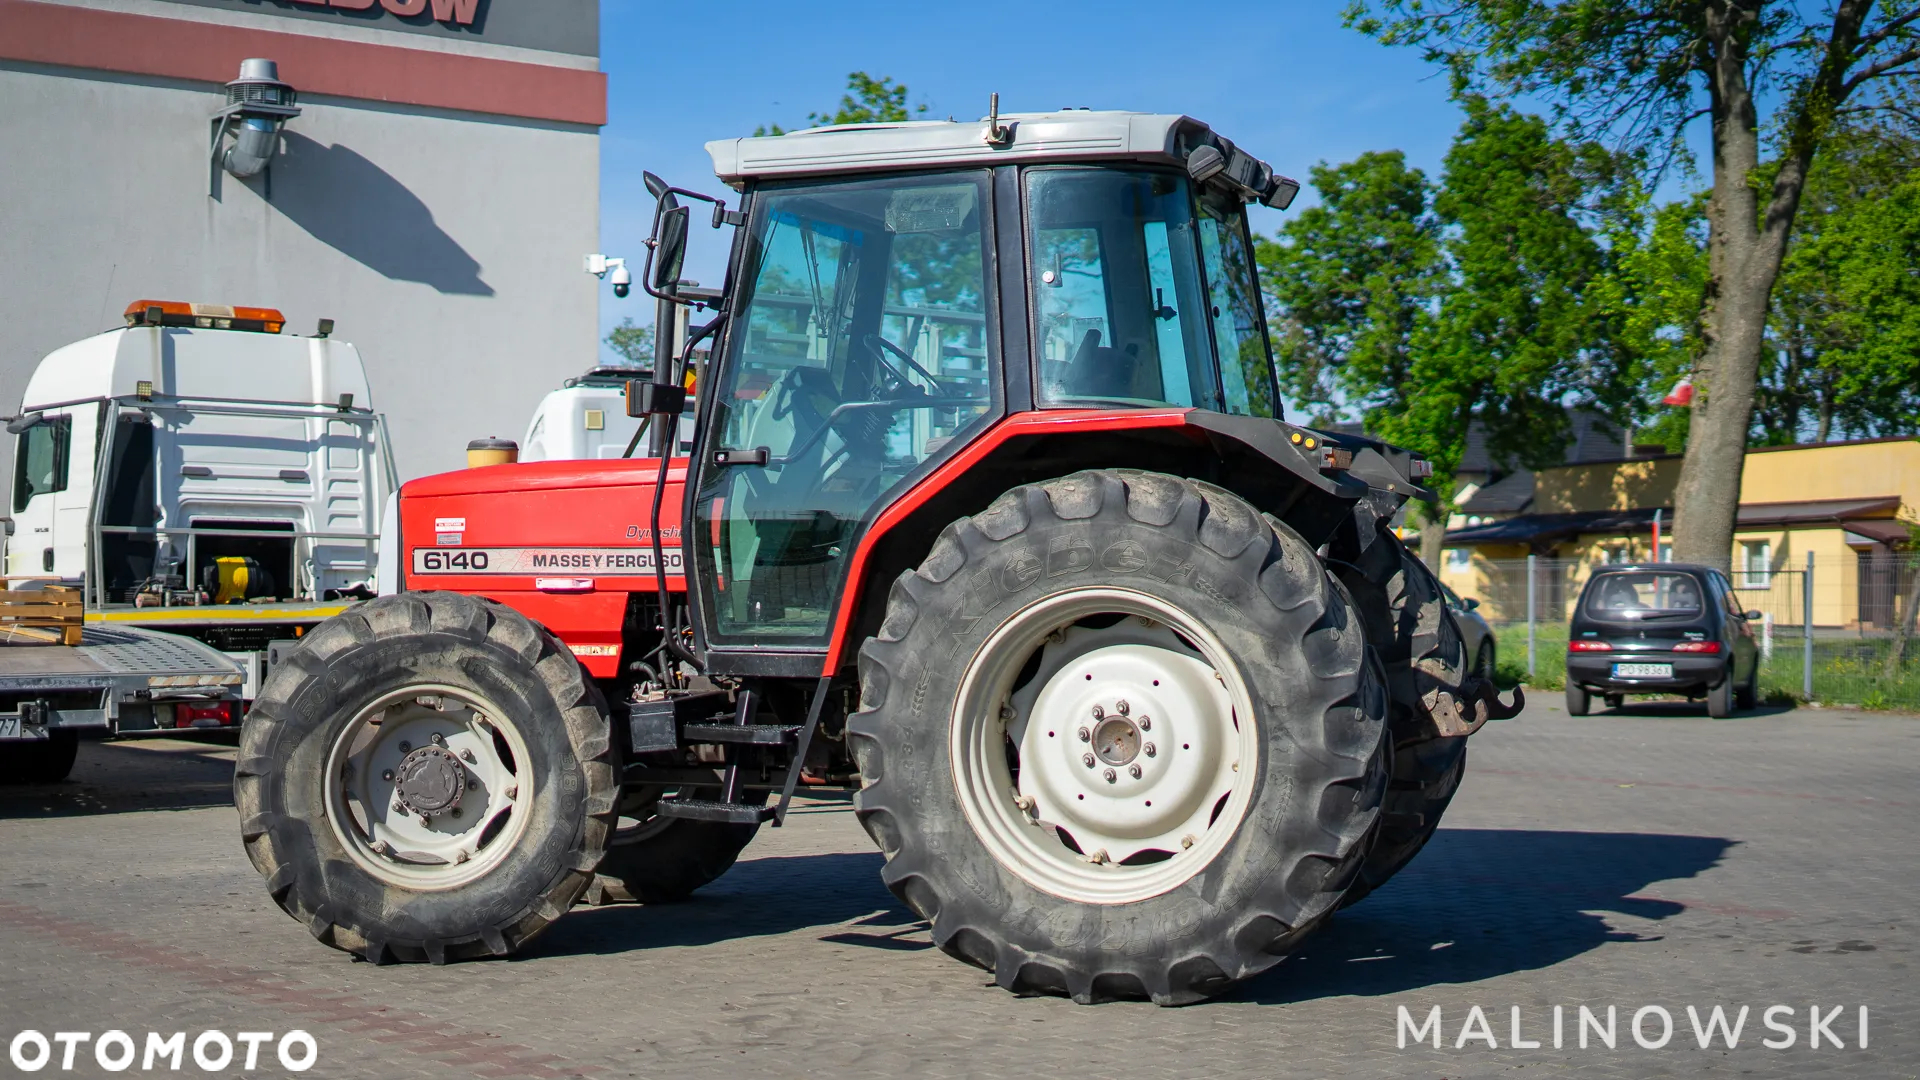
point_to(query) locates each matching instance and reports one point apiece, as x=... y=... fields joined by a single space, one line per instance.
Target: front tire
x=1165 y=873
x=41 y=761
x=428 y=777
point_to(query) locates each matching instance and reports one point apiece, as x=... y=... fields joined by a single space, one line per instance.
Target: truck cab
x=201 y=471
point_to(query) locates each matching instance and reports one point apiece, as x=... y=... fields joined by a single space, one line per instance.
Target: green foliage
x=868 y=100
x=1844 y=336
x=633 y=343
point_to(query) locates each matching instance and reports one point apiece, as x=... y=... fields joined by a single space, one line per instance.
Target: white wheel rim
x=419 y=792
x=1187 y=730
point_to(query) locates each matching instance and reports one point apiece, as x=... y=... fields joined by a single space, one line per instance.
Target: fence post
x=1806 y=608
x=1766 y=635
x=1531 y=560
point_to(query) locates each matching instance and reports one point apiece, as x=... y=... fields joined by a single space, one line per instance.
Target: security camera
x=613 y=268
x=622 y=281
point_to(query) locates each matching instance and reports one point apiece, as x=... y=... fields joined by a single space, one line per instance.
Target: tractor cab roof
x=1027 y=138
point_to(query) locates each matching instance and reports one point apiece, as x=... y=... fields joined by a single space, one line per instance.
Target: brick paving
x=1642 y=858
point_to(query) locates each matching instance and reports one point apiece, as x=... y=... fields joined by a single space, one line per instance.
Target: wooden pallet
x=51 y=615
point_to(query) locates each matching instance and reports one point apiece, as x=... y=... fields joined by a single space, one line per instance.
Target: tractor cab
x=898 y=289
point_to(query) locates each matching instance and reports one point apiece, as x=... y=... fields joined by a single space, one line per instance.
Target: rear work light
x=204 y=316
x=1588 y=646
x=1697 y=646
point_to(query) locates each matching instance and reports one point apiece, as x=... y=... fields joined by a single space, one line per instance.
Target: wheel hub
x=429 y=781
x=1117 y=740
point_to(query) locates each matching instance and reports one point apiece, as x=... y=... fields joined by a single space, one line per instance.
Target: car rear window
x=1643 y=595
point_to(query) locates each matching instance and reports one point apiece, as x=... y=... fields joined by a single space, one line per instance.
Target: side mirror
x=22 y=423
x=669 y=248
x=1471 y=603
x=1756 y=616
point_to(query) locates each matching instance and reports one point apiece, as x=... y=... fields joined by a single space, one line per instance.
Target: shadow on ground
x=1479 y=903
x=1679 y=709
x=120 y=777
x=757 y=898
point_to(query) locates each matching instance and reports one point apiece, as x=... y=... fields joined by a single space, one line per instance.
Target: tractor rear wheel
x=1121 y=736
x=656 y=860
x=1419 y=644
x=428 y=777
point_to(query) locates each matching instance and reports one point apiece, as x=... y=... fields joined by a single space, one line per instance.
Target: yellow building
x=1847 y=504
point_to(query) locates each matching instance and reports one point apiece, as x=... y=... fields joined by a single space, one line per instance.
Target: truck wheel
x=1419 y=644
x=1720 y=698
x=1120 y=737
x=41 y=761
x=655 y=860
x=428 y=777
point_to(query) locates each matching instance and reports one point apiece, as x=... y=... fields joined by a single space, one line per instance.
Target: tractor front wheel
x=1121 y=736
x=428 y=777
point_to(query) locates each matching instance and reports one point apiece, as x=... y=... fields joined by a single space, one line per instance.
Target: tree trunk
x=1433 y=537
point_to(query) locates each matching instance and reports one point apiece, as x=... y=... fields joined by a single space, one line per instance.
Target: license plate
x=1643 y=671
x=9 y=727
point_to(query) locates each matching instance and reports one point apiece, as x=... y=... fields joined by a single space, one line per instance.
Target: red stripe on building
x=208 y=52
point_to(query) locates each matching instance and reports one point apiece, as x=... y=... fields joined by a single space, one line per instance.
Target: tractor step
x=708 y=810
x=747 y=734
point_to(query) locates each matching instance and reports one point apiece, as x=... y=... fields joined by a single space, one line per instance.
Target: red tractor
x=990 y=512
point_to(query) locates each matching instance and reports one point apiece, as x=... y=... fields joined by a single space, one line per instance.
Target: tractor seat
x=1099 y=372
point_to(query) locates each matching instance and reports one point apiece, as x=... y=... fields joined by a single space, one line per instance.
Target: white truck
x=200 y=472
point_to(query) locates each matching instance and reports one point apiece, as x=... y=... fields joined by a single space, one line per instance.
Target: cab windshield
x=1144 y=294
x=858 y=348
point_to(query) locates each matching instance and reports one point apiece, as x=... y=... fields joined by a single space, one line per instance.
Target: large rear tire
x=1085 y=620
x=1419 y=643
x=428 y=777
x=41 y=761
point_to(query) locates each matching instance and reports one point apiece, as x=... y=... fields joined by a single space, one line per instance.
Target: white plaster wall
x=445 y=245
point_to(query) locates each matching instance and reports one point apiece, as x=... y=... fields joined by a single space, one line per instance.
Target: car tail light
x=1697 y=646
x=1588 y=646
x=209 y=714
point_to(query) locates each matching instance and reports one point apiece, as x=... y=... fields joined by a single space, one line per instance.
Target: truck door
x=41 y=471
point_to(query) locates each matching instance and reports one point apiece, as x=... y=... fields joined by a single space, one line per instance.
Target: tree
x=1350 y=279
x=868 y=100
x=633 y=343
x=1516 y=333
x=1642 y=70
x=1843 y=348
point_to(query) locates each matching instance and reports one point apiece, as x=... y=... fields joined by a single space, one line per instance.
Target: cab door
x=42 y=469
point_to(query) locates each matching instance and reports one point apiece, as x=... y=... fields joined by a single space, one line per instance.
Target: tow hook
x=1478 y=702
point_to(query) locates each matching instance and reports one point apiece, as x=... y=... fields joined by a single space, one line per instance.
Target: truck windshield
x=859 y=347
x=1140 y=291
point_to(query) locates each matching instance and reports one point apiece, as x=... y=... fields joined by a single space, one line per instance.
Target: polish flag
x=1681 y=394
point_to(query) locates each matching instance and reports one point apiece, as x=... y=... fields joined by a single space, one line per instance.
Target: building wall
x=444 y=243
x=1771 y=475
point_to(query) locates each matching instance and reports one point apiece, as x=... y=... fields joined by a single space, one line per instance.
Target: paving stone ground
x=1649 y=857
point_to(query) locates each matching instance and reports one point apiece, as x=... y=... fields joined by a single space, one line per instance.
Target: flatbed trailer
x=119 y=680
x=253 y=636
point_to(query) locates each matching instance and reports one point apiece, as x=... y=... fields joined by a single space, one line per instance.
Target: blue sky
x=1286 y=81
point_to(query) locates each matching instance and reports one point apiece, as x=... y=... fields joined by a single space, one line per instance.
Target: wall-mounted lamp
x=258 y=105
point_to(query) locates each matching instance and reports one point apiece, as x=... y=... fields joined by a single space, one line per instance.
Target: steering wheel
x=875 y=344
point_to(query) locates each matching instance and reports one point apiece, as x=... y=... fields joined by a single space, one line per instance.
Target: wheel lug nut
x=1146 y=723
x=438 y=740
x=1133 y=771
x=467 y=756
x=1006 y=712
x=1121 y=706
x=1087 y=760
x=400 y=809
x=386 y=774
x=1098 y=712
x=1111 y=776
x=1186 y=841
x=1149 y=750
x=1085 y=735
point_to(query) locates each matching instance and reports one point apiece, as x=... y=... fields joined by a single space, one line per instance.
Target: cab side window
x=40 y=460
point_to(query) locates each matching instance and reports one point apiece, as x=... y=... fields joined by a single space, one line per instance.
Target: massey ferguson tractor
x=990 y=514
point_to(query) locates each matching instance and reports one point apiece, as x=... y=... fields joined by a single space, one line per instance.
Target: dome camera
x=622 y=281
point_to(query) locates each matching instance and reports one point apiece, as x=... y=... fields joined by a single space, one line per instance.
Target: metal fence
x=1832 y=630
